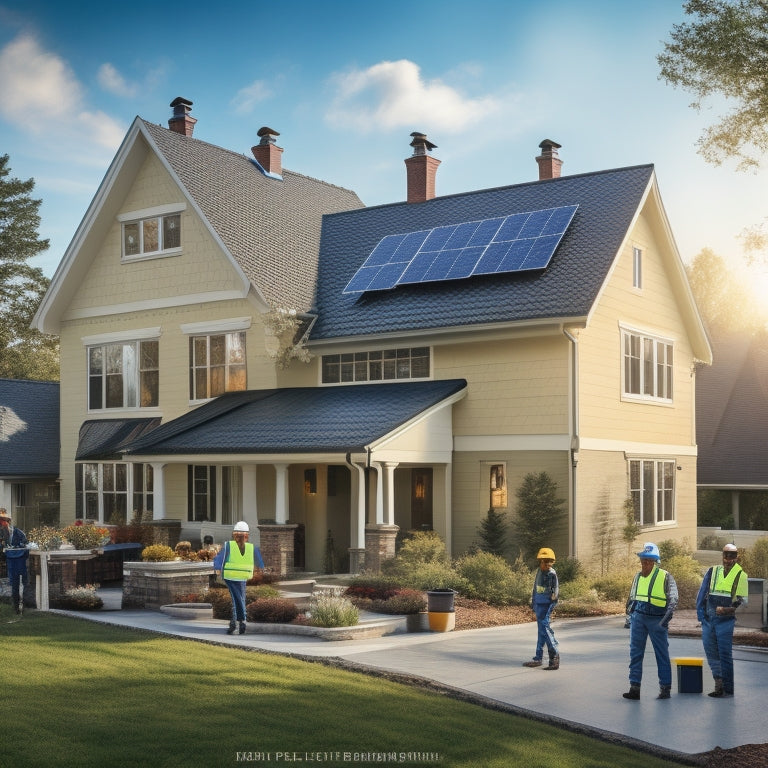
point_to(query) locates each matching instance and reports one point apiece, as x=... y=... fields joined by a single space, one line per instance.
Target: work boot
x=633 y=692
x=532 y=663
x=554 y=662
x=664 y=691
x=242 y=627
x=19 y=607
x=718 y=692
x=231 y=630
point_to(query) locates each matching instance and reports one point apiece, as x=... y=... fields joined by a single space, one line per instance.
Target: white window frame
x=103 y=469
x=158 y=214
x=647 y=365
x=637 y=268
x=224 y=502
x=228 y=366
x=131 y=370
x=374 y=366
x=655 y=487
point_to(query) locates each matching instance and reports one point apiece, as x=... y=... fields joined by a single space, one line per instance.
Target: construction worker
x=653 y=601
x=239 y=566
x=546 y=591
x=13 y=543
x=724 y=589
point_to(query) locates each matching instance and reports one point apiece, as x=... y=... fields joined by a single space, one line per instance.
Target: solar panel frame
x=517 y=242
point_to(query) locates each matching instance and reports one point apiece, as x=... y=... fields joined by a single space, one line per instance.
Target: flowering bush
x=271 y=610
x=184 y=551
x=205 y=555
x=86 y=536
x=372 y=588
x=82 y=598
x=404 y=602
x=46 y=537
x=157 y=553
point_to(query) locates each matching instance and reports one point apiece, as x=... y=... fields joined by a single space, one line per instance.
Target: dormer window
x=151 y=233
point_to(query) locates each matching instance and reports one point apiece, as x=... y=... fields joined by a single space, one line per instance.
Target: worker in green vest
x=653 y=599
x=239 y=565
x=724 y=589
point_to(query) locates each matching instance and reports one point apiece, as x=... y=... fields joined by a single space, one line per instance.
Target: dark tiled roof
x=29 y=428
x=296 y=420
x=732 y=414
x=271 y=227
x=104 y=438
x=607 y=202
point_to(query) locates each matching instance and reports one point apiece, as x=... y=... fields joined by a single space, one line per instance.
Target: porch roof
x=341 y=419
x=105 y=438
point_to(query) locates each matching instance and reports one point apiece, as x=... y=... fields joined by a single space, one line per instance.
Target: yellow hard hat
x=545 y=553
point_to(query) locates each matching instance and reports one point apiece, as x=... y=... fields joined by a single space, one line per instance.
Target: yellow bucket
x=442 y=621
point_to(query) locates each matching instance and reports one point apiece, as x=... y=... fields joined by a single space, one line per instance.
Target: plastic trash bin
x=689 y=675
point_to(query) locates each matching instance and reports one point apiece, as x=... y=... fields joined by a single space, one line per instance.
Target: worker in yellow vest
x=724 y=589
x=653 y=599
x=239 y=565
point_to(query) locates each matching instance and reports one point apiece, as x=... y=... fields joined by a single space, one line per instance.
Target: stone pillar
x=379 y=545
x=356 y=559
x=277 y=547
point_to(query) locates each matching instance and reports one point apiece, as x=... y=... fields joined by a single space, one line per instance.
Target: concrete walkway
x=486 y=665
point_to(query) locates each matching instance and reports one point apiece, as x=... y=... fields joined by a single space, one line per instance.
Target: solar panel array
x=515 y=243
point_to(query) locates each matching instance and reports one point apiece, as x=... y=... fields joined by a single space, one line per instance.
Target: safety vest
x=650 y=588
x=730 y=585
x=238 y=567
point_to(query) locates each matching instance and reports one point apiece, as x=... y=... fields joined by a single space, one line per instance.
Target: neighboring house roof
x=29 y=428
x=732 y=415
x=297 y=420
x=608 y=203
x=269 y=227
x=103 y=439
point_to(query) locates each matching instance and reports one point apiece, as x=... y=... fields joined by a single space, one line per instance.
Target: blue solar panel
x=514 y=243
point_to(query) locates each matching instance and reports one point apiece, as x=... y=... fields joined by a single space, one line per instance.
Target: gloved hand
x=666 y=619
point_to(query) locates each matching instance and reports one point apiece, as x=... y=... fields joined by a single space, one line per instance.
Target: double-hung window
x=123 y=374
x=648 y=367
x=216 y=364
x=214 y=493
x=110 y=492
x=152 y=232
x=652 y=489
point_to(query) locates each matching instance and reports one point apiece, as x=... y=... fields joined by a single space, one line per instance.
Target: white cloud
x=111 y=80
x=393 y=94
x=40 y=93
x=247 y=98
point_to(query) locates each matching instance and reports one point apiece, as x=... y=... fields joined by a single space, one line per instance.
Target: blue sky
x=345 y=83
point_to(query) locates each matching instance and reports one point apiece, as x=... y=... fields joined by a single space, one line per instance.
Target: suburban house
x=29 y=451
x=732 y=425
x=239 y=341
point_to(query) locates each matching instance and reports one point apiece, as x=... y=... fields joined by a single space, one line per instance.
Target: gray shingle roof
x=607 y=202
x=29 y=428
x=732 y=414
x=102 y=439
x=296 y=420
x=271 y=227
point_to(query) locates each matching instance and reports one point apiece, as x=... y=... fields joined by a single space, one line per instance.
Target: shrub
x=710 y=541
x=157 y=553
x=331 y=610
x=687 y=573
x=46 y=537
x=270 y=610
x=614 y=586
x=422 y=547
x=582 y=589
x=493 y=532
x=755 y=559
x=568 y=569
x=405 y=601
x=82 y=598
x=521 y=584
x=425 y=576
x=218 y=596
x=86 y=536
x=670 y=548
x=372 y=588
x=488 y=577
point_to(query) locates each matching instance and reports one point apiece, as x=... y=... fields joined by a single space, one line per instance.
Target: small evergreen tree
x=632 y=528
x=493 y=532
x=603 y=531
x=539 y=513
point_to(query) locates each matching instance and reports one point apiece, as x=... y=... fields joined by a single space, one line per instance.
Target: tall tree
x=723 y=50
x=540 y=514
x=24 y=353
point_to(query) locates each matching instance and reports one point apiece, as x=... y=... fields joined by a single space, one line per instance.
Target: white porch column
x=158 y=490
x=357 y=511
x=250 y=506
x=281 y=493
x=389 y=485
x=379 y=492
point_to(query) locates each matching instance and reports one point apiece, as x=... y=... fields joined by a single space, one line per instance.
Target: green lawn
x=78 y=693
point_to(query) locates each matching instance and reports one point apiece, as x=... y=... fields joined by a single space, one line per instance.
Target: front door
x=421 y=499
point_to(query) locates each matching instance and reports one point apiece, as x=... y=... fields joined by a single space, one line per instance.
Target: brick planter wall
x=150 y=585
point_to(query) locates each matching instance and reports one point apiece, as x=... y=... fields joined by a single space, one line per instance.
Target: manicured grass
x=81 y=694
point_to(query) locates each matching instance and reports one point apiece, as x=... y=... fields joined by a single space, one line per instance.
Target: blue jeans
x=546 y=635
x=17 y=575
x=644 y=626
x=237 y=592
x=717 y=637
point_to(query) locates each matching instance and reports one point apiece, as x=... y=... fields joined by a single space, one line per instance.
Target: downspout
x=574 y=439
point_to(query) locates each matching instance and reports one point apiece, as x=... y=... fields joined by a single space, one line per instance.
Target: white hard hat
x=650 y=552
x=241 y=526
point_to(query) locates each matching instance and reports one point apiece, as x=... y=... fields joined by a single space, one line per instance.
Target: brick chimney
x=549 y=161
x=182 y=122
x=267 y=153
x=421 y=169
